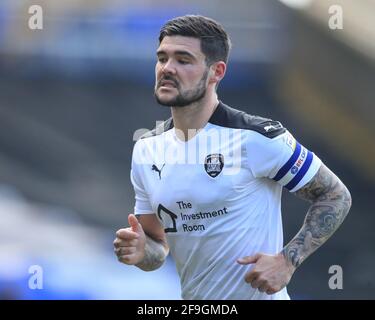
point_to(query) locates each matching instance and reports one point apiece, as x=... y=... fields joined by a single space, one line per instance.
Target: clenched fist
x=270 y=273
x=130 y=242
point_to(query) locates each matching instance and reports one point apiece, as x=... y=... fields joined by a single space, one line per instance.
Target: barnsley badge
x=213 y=164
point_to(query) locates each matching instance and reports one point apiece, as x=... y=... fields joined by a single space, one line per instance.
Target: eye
x=162 y=60
x=183 y=61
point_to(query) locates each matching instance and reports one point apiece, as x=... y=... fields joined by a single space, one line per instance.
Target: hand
x=130 y=242
x=270 y=273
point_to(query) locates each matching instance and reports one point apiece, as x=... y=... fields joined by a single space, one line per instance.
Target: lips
x=167 y=83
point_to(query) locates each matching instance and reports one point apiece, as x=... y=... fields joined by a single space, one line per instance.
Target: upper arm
x=324 y=186
x=153 y=228
x=282 y=159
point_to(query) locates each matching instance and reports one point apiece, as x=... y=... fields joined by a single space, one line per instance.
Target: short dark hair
x=215 y=42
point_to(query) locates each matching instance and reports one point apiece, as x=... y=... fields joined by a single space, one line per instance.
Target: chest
x=209 y=178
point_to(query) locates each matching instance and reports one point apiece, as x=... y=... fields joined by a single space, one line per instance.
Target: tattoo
x=155 y=254
x=331 y=202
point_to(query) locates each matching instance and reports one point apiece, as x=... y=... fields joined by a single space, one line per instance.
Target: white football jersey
x=218 y=196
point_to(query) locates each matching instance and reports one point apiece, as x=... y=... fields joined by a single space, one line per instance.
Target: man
x=215 y=205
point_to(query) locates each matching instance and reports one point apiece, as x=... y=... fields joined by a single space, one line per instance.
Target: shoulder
x=144 y=145
x=226 y=116
x=159 y=129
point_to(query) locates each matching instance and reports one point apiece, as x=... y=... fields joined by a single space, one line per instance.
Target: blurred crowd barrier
x=47 y=252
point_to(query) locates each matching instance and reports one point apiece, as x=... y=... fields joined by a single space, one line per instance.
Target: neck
x=190 y=119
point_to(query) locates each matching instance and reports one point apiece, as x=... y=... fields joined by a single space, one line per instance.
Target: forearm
x=155 y=255
x=331 y=202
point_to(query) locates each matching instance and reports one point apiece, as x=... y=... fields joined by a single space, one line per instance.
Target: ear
x=217 y=71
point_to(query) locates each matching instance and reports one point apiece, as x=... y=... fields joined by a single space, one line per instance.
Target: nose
x=168 y=67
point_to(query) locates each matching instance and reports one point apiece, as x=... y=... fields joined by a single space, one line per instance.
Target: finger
x=127 y=259
x=249 y=259
x=127 y=234
x=123 y=251
x=263 y=287
x=117 y=242
x=256 y=283
x=271 y=291
x=133 y=223
x=125 y=243
x=251 y=276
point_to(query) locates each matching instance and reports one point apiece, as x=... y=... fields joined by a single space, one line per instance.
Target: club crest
x=213 y=164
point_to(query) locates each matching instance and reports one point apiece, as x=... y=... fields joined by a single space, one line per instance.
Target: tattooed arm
x=154 y=256
x=143 y=244
x=331 y=202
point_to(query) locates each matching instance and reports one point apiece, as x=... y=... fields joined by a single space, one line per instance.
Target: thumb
x=133 y=223
x=249 y=259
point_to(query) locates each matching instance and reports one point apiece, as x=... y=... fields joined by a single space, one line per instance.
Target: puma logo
x=155 y=168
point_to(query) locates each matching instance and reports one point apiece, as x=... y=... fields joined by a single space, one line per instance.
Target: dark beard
x=186 y=98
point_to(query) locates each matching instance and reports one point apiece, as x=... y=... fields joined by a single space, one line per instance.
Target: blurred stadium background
x=73 y=94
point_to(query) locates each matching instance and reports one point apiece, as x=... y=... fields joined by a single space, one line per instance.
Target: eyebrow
x=178 y=52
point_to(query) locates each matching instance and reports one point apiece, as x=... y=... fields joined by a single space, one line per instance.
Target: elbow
x=347 y=195
x=346 y=198
x=349 y=198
